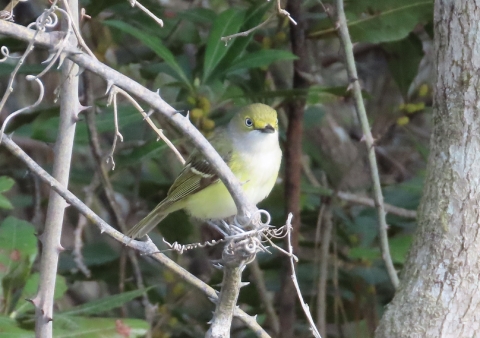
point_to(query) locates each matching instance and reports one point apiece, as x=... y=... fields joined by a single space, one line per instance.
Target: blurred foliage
x=195 y=71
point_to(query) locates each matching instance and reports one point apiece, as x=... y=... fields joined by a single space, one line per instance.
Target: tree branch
x=342 y=29
x=49 y=40
x=50 y=238
x=145 y=248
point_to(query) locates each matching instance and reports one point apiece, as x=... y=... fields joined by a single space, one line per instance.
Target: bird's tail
x=148 y=223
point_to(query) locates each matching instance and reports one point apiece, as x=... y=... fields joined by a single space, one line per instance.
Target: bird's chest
x=260 y=172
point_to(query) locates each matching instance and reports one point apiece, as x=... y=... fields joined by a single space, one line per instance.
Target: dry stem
x=362 y=116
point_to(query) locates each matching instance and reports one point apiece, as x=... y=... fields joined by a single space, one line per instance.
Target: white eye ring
x=248 y=122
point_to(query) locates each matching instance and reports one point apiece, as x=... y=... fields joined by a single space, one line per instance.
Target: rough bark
x=439 y=295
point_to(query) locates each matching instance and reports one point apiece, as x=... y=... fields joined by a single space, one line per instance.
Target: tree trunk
x=439 y=292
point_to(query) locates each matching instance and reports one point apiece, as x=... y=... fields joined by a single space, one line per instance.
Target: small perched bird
x=249 y=145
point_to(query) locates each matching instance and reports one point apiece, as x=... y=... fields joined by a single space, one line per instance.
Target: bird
x=249 y=144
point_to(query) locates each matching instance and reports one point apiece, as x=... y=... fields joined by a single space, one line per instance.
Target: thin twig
x=284 y=12
x=342 y=29
x=367 y=201
x=259 y=281
x=107 y=185
x=81 y=224
x=327 y=225
x=146 y=117
x=9 y=90
x=245 y=33
x=245 y=208
x=337 y=302
x=145 y=248
x=113 y=97
x=304 y=305
x=60 y=47
x=146 y=11
x=354 y=198
x=76 y=30
x=25 y=109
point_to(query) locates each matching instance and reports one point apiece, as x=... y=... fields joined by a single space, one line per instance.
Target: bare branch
x=51 y=236
x=362 y=116
x=146 y=116
x=146 y=248
x=245 y=33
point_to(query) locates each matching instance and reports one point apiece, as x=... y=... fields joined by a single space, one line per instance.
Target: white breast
x=261 y=153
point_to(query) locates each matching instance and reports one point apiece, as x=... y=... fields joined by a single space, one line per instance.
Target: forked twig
x=80 y=40
x=161 y=135
x=284 y=12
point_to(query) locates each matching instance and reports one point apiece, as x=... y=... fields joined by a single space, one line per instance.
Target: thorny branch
x=146 y=248
x=362 y=116
x=245 y=208
x=51 y=236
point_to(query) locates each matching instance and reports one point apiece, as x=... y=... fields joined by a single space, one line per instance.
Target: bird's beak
x=268 y=129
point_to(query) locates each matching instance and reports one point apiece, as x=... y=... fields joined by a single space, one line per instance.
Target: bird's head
x=255 y=118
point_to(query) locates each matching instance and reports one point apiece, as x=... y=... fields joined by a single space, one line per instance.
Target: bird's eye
x=248 y=122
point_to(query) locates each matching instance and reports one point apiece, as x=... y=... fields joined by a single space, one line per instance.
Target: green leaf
x=198 y=15
x=142 y=153
x=31 y=288
x=239 y=44
x=6 y=183
x=9 y=328
x=227 y=23
x=367 y=254
x=88 y=327
x=404 y=57
x=105 y=304
x=380 y=21
x=154 y=44
x=98 y=253
x=261 y=58
x=5 y=203
x=17 y=236
x=18 y=249
x=399 y=247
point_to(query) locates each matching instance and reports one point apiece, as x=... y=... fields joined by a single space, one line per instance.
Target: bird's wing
x=198 y=173
x=195 y=176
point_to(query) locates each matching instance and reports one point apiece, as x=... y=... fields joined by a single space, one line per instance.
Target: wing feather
x=197 y=175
